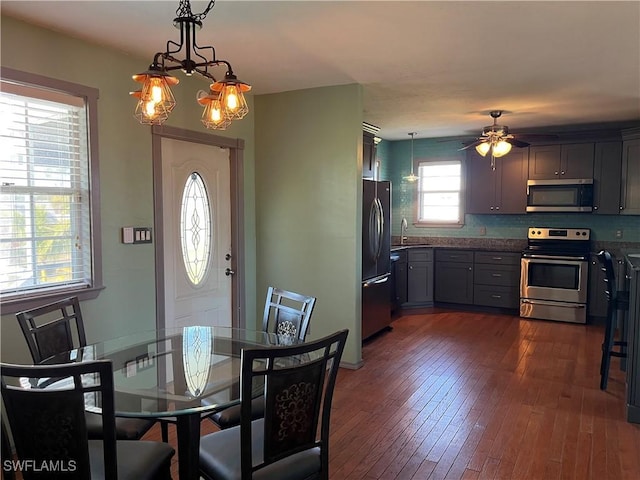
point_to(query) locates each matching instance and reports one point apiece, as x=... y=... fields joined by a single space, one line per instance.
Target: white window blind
x=439 y=192
x=45 y=217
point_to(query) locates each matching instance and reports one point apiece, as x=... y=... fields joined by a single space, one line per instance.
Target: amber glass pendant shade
x=501 y=148
x=483 y=148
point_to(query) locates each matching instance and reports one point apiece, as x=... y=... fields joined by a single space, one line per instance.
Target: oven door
x=554 y=278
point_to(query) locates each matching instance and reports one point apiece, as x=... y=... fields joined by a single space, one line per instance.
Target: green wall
x=308 y=192
x=128 y=302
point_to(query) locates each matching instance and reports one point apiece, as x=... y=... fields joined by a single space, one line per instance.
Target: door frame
x=236 y=150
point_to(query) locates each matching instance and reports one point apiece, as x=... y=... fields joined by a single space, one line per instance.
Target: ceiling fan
x=496 y=139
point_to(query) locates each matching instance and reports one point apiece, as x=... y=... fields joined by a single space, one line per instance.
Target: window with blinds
x=45 y=202
x=439 y=192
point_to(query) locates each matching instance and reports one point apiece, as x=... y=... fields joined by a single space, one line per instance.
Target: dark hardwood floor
x=452 y=395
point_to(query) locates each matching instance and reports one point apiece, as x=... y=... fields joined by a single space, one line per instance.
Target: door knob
x=227 y=256
x=229 y=272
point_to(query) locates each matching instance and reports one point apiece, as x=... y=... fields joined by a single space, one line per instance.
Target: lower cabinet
x=454 y=276
x=399 y=280
x=496 y=279
x=420 y=275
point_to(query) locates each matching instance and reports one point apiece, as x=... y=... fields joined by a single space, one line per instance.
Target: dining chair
x=616 y=300
x=291 y=441
x=287 y=314
x=49 y=427
x=56 y=328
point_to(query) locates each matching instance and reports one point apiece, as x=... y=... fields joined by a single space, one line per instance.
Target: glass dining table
x=181 y=374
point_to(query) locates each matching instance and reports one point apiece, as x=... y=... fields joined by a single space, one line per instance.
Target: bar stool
x=615 y=301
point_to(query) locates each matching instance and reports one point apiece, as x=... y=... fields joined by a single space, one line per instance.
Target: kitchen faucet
x=403 y=230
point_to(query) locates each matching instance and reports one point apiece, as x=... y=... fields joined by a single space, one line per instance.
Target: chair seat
x=137 y=460
x=219 y=459
x=126 y=428
x=230 y=417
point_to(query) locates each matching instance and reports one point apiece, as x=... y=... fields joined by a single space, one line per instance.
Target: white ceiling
x=435 y=68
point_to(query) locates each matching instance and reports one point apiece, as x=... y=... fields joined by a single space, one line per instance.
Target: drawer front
x=504 y=275
x=498 y=258
x=420 y=254
x=454 y=256
x=402 y=254
x=493 y=296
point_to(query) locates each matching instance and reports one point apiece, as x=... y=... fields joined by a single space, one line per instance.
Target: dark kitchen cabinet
x=420 y=276
x=399 y=286
x=630 y=179
x=503 y=190
x=368 y=155
x=496 y=279
x=607 y=173
x=548 y=162
x=454 y=276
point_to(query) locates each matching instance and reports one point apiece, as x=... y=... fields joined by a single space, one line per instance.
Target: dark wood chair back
x=49 y=425
x=615 y=301
x=299 y=383
x=287 y=313
x=53 y=328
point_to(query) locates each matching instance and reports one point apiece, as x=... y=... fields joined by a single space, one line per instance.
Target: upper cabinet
x=548 y=162
x=368 y=156
x=606 y=177
x=503 y=190
x=369 y=145
x=630 y=193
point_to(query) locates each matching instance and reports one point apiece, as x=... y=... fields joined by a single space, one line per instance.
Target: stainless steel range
x=554 y=274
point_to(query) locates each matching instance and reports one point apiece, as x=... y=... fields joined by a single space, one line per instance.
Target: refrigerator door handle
x=376 y=281
x=376 y=223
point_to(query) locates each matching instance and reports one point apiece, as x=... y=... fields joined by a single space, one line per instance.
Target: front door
x=196 y=246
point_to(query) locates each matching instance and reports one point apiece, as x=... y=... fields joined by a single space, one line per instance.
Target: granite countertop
x=488 y=244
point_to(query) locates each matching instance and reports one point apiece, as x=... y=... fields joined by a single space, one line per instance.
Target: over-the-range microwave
x=561 y=195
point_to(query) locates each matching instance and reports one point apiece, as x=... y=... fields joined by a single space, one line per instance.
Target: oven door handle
x=554 y=304
x=553 y=257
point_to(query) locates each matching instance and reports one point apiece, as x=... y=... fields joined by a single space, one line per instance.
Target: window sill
x=437 y=225
x=16 y=305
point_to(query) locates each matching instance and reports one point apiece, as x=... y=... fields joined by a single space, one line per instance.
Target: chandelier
x=224 y=103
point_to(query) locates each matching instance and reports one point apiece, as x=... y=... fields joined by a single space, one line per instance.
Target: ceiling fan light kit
x=495 y=139
x=225 y=103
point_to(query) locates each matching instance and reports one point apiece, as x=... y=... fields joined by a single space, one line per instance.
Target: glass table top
x=169 y=372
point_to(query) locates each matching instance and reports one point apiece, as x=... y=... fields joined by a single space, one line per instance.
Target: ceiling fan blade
x=472 y=144
x=537 y=136
x=516 y=143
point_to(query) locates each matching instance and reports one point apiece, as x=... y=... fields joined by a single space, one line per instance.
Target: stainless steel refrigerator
x=376 y=256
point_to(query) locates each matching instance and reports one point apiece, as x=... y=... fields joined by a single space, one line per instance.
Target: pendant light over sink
x=412 y=177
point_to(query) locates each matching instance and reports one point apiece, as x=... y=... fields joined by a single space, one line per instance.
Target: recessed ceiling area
x=435 y=68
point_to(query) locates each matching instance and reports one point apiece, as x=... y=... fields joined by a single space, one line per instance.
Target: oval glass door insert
x=195 y=229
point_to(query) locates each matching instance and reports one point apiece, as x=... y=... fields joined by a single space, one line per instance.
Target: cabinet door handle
x=496 y=274
x=595 y=207
x=469 y=268
x=555 y=173
x=496 y=258
x=496 y=296
x=497 y=208
x=562 y=172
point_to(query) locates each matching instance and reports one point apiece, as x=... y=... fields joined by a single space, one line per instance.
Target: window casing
x=50 y=243
x=439 y=193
